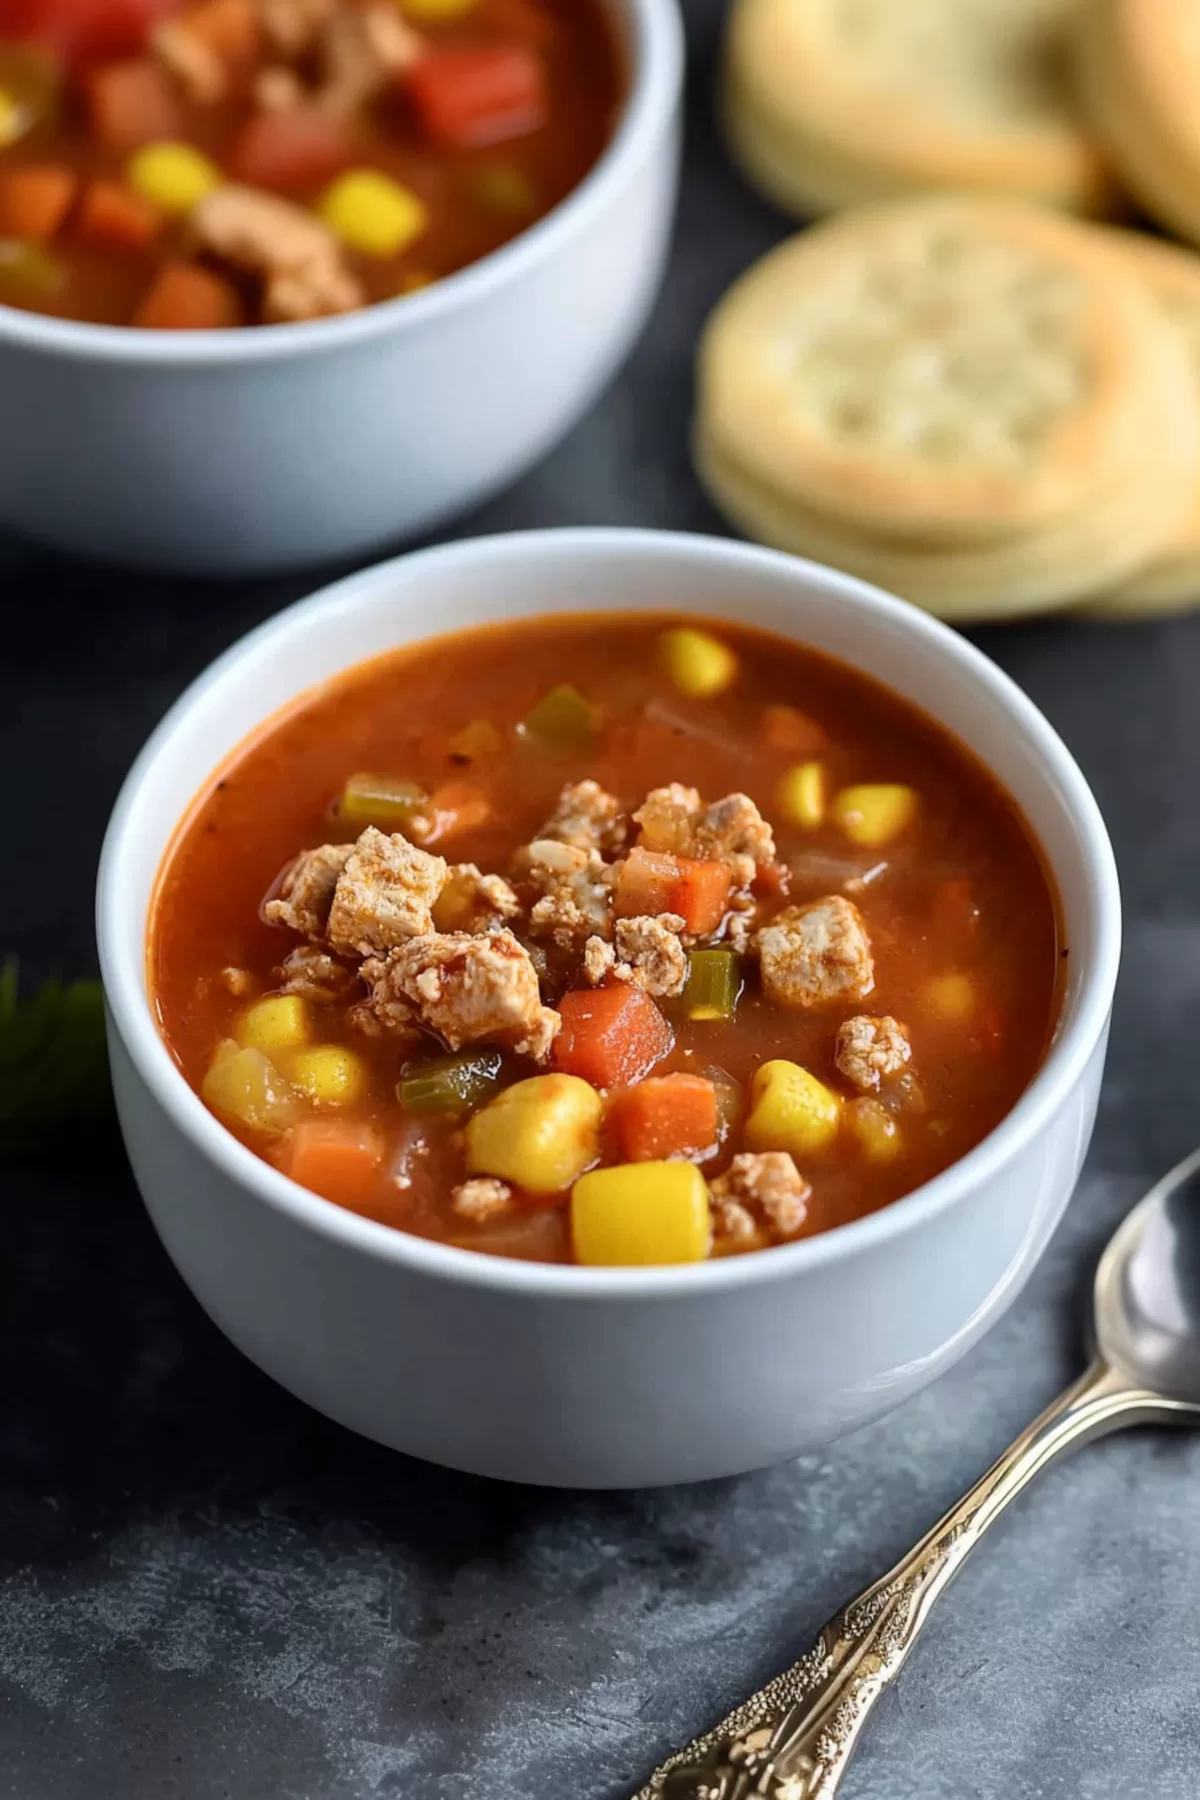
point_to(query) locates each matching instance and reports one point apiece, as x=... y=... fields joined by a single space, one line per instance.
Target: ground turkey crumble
x=814 y=954
x=468 y=989
x=869 y=1051
x=647 y=953
x=769 y=1182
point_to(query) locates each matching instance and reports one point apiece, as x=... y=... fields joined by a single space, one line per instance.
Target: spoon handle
x=794 y=1739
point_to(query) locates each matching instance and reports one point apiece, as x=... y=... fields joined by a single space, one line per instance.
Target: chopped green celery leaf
x=714 y=984
x=562 y=720
x=54 y=1087
x=380 y=799
x=503 y=188
x=451 y=1084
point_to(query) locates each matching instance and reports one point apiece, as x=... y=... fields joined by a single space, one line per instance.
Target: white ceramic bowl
x=239 y=452
x=605 y=1377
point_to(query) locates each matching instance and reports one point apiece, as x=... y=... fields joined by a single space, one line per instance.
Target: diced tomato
x=610 y=1036
x=35 y=200
x=291 y=151
x=132 y=103
x=701 y=893
x=229 y=28
x=336 y=1158
x=86 y=31
x=185 y=298
x=111 y=214
x=466 y=98
x=669 y=1115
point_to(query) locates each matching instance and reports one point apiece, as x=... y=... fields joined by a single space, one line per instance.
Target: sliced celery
x=562 y=720
x=380 y=800
x=505 y=189
x=714 y=984
x=450 y=1084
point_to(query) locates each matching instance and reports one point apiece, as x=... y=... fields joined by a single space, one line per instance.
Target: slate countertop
x=209 y=1593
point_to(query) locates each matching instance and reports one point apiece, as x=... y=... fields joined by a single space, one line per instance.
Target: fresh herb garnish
x=54 y=1087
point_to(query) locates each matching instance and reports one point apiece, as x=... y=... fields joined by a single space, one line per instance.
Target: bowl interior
x=485 y=580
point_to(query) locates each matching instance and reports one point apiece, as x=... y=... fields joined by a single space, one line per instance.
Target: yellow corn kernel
x=275 y=1026
x=950 y=998
x=328 y=1075
x=790 y=1110
x=173 y=177
x=372 y=213
x=650 y=1212
x=877 y=1132
x=874 y=812
x=244 y=1085
x=698 y=663
x=436 y=12
x=12 y=119
x=539 y=1134
x=800 y=796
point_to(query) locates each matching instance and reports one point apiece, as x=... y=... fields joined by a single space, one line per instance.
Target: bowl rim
x=656 y=62
x=1080 y=1027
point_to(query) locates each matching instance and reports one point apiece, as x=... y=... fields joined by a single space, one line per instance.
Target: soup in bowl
x=675 y=993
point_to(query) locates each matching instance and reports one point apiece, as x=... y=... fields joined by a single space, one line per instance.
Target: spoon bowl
x=1147 y=1295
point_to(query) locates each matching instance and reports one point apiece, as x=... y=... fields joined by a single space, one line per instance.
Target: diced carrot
x=35 y=200
x=291 y=151
x=786 y=728
x=132 y=103
x=111 y=214
x=229 y=28
x=669 y=1115
x=467 y=97
x=185 y=298
x=701 y=893
x=453 y=808
x=611 y=1036
x=336 y=1158
x=645 y=884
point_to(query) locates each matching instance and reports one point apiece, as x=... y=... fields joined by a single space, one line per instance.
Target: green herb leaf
x=55 y=1095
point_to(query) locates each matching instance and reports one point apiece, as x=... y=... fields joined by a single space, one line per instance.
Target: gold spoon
x=794 y=1739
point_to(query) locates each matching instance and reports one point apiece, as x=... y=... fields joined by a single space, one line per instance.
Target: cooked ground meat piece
x=814 y=954
x=483 y=1198
x=301 y=263
x=871 y=1050
x=647 y=953
x=314 y=974
x=473 y=901
x=384 y=894
x=587 y=817
x=306 y=890
x=467 y=989
x=575 y=889
x=675 y=821
x=769 y=1181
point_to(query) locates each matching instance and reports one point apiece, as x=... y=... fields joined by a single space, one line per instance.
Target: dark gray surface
x=206 y=1591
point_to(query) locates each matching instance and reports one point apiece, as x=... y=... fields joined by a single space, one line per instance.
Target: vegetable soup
x=233 y=162
x=608 y=939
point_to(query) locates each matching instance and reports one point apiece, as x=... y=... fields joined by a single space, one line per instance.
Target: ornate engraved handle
x=794 y=1739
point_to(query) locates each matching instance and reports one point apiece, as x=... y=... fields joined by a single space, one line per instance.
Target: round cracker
x=1045 y=572
x=1171 y=583
x=937 y=370
x=1137 y=66
x=909 y=95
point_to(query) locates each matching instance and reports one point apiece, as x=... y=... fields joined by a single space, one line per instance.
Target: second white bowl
x=238 y=452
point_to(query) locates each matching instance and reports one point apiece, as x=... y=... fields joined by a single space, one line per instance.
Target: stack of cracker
x=982 y=404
